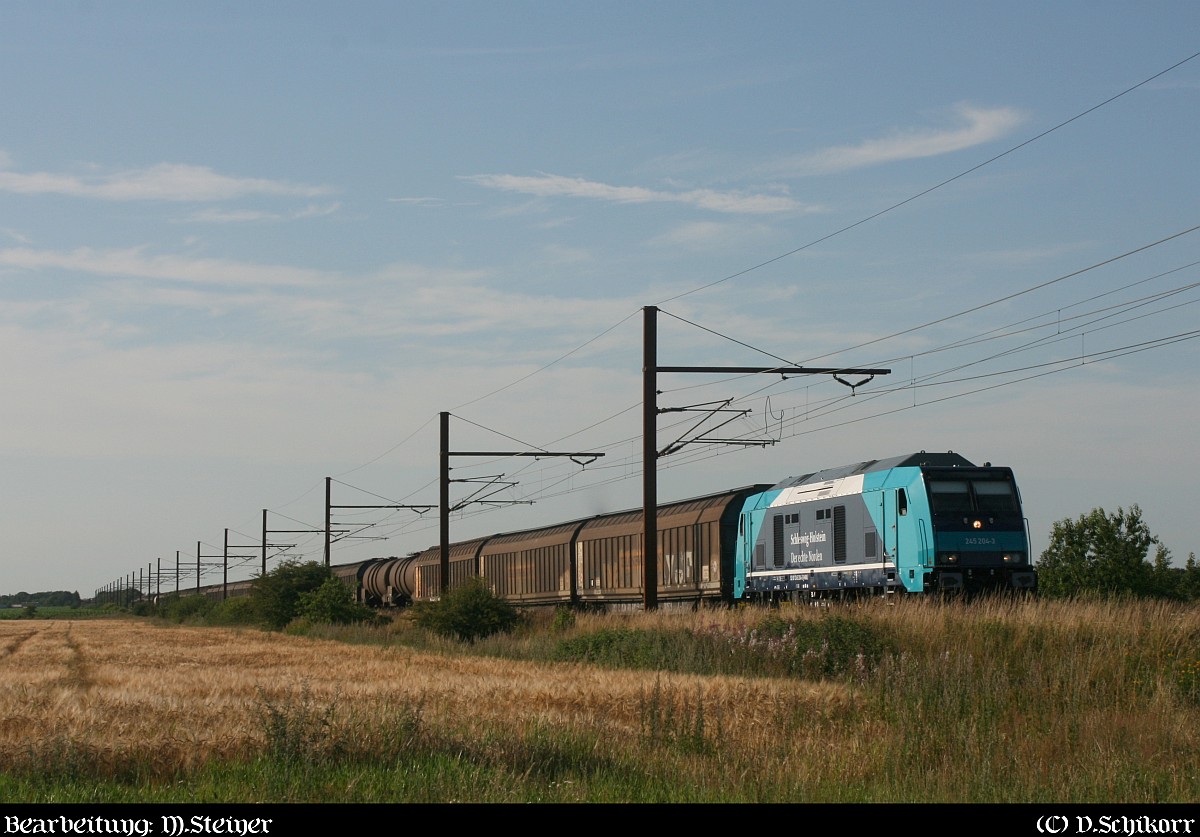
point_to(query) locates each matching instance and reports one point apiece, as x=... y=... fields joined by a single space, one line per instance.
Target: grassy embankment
x=1026 y=702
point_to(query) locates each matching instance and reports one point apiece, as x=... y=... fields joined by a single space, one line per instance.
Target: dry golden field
x=1031 y=701
x=177 y=696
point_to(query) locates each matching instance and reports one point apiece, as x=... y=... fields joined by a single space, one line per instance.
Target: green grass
x=40 y=612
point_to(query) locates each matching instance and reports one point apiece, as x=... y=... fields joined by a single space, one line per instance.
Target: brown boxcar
x=464 y=564
x=598 y=560
x=533 y=567
x=696 y=540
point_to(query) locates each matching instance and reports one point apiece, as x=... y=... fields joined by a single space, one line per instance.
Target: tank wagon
x=912 y=524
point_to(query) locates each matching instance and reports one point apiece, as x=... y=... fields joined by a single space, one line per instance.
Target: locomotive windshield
x=995 y=497
x=973 y=496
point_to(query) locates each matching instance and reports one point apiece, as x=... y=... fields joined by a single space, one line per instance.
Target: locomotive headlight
x=951 y=558
x=978 y=524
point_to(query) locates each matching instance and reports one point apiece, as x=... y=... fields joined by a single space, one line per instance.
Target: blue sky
x=246 y=247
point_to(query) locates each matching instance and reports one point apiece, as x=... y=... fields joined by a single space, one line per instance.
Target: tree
x=276 y=594
x=1102 y=553
x=60 y=598
x=1189 y=582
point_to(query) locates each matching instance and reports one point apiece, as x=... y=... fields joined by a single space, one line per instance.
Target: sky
x=249 y=250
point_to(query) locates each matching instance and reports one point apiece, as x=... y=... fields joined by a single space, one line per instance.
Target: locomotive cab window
x=980 y=496
x=950 y=496
x=995 y=497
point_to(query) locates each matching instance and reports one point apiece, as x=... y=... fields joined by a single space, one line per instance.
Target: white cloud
x=134 y=263
x=397 y=301
x=980 y=125
x=16 y=235
x=232 y=216
x=235 y=216
x=550 y=185
x=164 y=181
x=418 y=201
x=707 y=235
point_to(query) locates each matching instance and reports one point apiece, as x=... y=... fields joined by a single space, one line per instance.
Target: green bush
x=467 y=613
x=183 y=608
x=239 y=611
x=623 y=646
x=564 y=619
x=333 y=604
x=276 y=594
x=841 y=645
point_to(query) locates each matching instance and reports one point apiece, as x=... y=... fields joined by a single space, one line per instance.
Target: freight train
x=914 y=524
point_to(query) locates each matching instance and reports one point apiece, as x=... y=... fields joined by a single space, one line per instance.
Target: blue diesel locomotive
x=915 y=524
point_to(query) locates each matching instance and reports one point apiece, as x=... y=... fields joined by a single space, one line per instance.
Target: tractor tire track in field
x=12 y=644
x=78 y=674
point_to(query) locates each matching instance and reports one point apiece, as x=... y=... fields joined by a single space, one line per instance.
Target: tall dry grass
x=122 y=696
x=1001 y=701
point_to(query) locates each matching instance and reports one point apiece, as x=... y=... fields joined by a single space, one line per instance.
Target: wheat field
x=126 y=690
x=1029 y=702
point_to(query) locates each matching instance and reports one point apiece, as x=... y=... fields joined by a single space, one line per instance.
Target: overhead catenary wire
x=926 y=380
x=935 y=187
x=826 y=237
x=792 y=427
x=1039 y=370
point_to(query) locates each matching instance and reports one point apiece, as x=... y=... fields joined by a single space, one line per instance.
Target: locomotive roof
x=910 y=460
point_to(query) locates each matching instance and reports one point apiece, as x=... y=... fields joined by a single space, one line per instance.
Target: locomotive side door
x=891 y=533
x=742 y=556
